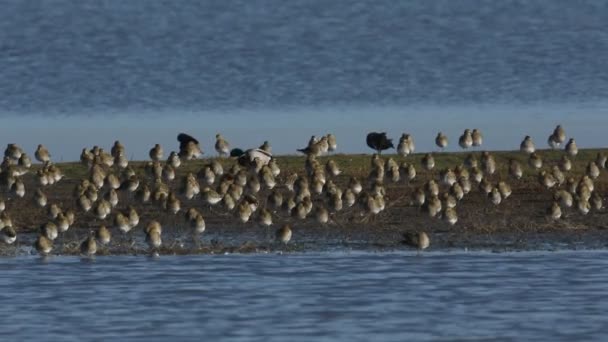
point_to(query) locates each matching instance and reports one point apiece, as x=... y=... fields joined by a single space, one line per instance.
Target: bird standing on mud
x=222 y=147
x=379 y=141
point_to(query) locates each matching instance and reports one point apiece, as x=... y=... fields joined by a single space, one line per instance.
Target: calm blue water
x=303 y=297
x=282 y=71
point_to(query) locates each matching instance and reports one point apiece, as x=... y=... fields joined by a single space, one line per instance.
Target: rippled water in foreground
x=321 y=296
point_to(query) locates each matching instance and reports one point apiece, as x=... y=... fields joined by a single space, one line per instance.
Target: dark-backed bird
x=379 y=141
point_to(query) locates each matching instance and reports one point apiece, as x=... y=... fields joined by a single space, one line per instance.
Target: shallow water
x=343 y=296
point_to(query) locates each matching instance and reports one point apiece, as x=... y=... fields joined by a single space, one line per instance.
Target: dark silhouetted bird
x=379 y=141
x=184 y=139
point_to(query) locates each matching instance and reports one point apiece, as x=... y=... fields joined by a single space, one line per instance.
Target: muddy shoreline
x=518 y=223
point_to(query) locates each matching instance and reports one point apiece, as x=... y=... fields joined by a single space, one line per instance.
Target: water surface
x=336 y=296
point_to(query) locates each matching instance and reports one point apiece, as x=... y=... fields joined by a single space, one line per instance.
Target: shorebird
x=331 y=142
x=335 y=202
x=53 y=210
x=321 y=214
x=457 y=191
x=349 y=198
x=565 y=164
x=228 y=202
x=431 y=187
x=24 y=161
x=504 y=189
x=13 y=151
x=488 y=164
x=121 y=161
x=554 y=212
x=450 y=216
x=117 y=149
x=131 y=184
x=248 y=158
x=449 y=201
x=197 y=223
x=355 y=185
x=379 y=141
x=558 y=175
x=121 y=222
x=332 y=168
x=311 y=150
x=288 y=205
x=515 y=169
x=495 y=196
x=222 y=147
x=596 y=201
x=447 y=176
x=274 y=167
x=18 y=188
x=583 y=192
x=557 y=138
x=43 y=245
x=88 y=247
x=527 y=145
x=190 y=150
x=393 y=173
x=546 y=179
x=466 y=139
x=153 y=234
x=485 y=186
x=156 y=153
x=244 y=211
x=470 y=161
x=168 y=173
x=477 y=137
x=583 y=206
x=428 y=162
x=265 y=217
x=465 y=183
x=593 y=171
x=266 y=147
x=174 y=160
x=283 y=234
x=267 y=178
x=143 y=194
x=588 y=182
x=9 y=235
x=571 y=147
x=571 y=185
x=62 y=222
x=600 y=160
x=103 y=235
x=433 y=205
x=103 y=209
x=535 y=161
x=564 y=197
x=133 y=216
x=476 y=175
x=441 y=140
x=112 y=197
x=404 y=145
x=49 y=230
x=40 y=198
x=419 y=240
x=275 y=200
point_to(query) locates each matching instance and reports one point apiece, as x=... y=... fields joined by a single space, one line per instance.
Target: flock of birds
x=250 y=188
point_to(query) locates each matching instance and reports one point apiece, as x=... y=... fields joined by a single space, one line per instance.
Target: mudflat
x=519 y=222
